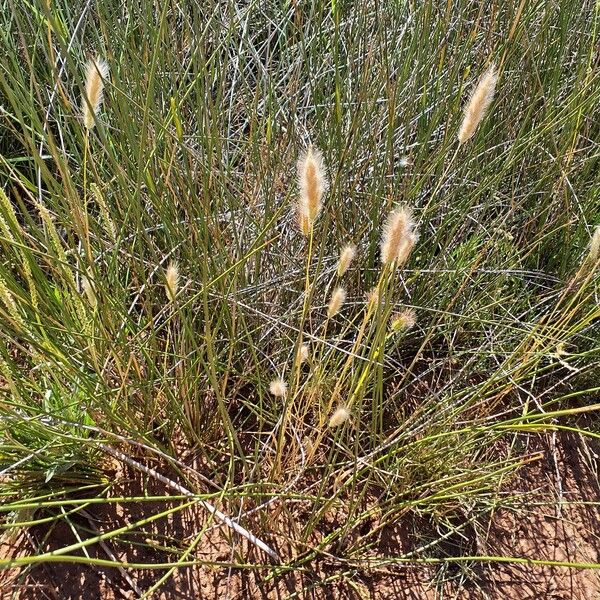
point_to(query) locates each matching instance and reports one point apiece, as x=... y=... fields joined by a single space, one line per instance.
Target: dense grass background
x=193 y=159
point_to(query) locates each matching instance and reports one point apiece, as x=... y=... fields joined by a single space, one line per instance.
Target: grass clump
x=175 y=310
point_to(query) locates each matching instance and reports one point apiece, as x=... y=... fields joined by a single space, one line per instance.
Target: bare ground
x=553 y=515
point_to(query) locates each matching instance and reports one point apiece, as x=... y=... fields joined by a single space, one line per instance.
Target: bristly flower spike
x=346 y=257
x=312 y=184
x=335 y=303
x=594 y=252
x=172 y=281
x=399 y=237
x=478 y=104
x=403 y=320
x=96 y=73
x=278 y=388
x=303 y=353
x=339 y=417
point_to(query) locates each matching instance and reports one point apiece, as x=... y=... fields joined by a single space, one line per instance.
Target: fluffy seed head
x=339 y=417
x=346 y=257
x=595 y=245
x=96 y=72
x=335 y=302
x=399 y=237
x=172 y=281
x=303 y=353
x=478 y=103
x=406 y=247
x=372 y=298
x=278 y=388
x=303 y=222
x=88 y=290
x=403 y=320
x=312 y=183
